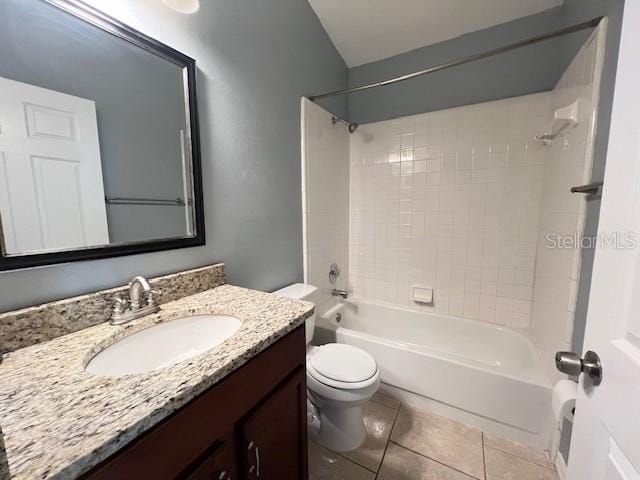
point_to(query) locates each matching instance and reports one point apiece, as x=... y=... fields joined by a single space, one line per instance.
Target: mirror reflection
x=94 y=136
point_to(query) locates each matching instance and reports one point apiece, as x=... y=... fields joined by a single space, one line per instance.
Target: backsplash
x=450 y=200
x=28 y=326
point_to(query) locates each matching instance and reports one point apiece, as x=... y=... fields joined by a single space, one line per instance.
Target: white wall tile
x=325 y=179
x=463 y=215
x=568 y=162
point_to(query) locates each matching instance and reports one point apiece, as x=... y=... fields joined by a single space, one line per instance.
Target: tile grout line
x=434 y=460
x=386 y=447
x=347 y=459
x=483 y=433
x=377 y=402
x=484 y=446
x=521 y=458
x=484 y=458
x=353 y=461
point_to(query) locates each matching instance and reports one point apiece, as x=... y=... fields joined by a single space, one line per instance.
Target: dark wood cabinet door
x=217 y=463
x=274 y=436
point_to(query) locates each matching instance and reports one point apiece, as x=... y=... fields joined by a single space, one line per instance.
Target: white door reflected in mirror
x=52 y=194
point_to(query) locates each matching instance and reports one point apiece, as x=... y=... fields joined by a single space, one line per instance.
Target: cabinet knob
x=223 y=476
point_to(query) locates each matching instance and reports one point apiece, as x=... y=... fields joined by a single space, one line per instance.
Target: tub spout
x=339 y=293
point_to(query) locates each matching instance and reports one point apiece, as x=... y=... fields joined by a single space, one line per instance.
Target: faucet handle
x=119 y=306
x=150 y=296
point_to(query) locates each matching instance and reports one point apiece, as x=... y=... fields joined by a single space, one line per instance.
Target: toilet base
x=339 y=429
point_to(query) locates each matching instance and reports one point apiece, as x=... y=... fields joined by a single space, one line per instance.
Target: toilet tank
x=302 y=291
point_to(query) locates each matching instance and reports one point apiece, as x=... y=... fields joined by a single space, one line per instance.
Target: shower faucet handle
x=334 y=272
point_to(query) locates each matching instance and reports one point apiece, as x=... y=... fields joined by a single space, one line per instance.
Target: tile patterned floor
x=408 y=444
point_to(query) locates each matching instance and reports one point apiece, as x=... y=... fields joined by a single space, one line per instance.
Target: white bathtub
x=481 y=370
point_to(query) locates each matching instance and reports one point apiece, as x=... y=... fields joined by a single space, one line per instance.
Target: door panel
x=606 y=436
x=49 y=143
x=57 y=185
x=618 y=466
x=43 y=121
x=18 y=202
x=274 y=437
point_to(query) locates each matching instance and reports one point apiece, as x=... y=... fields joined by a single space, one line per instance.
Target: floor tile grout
x=434 y=460
x=386 y=444
x=348 y=459
x=389 y=441
x=511 y=454
x=484 y=458
x=482 y=432
x=355 y=463
x=386 y=447
x=385 y=405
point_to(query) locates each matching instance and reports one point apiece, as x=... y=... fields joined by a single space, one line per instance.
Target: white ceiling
x=364 y=31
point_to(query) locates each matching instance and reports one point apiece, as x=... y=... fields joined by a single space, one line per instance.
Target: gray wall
x=521 y=72
x=528 y=70
x=138 y=99
x=255 y=59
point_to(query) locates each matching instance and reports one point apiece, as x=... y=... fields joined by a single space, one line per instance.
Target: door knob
x=571 y=364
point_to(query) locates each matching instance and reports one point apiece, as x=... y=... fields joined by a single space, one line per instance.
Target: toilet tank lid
x=300 y=291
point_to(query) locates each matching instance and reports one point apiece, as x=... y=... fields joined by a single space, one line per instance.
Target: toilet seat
x=342 y=366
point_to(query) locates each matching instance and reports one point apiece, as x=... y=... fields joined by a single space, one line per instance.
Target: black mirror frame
x=118 y=29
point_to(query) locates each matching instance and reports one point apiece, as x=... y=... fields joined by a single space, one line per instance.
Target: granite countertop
x=59 y=420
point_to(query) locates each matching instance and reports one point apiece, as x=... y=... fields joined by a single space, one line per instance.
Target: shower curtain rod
x=523 y=43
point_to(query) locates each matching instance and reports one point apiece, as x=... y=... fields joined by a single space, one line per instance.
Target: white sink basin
x=163 y=345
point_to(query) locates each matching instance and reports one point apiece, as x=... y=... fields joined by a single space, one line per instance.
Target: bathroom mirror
x=99 y=147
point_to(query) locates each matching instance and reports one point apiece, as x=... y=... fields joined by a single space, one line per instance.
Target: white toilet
x=340 y=379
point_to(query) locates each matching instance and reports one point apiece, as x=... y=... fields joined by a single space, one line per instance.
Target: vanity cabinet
x=252 y=425
x=271 y=434
x=218 y=463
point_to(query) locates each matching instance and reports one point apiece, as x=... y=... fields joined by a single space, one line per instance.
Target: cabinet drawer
x=218 y=463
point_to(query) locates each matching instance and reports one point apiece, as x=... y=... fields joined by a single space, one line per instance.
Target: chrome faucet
x=138 y=287
x=141 y=302
x=339 y=293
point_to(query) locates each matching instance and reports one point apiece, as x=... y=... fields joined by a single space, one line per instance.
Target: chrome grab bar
x=589 y=189
x=143 y=201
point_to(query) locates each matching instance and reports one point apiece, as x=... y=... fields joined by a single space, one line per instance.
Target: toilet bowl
x=340 y=379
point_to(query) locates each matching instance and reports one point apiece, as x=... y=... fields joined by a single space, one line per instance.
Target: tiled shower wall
x=569 y=162
x=450 y=200
x=325 y=201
